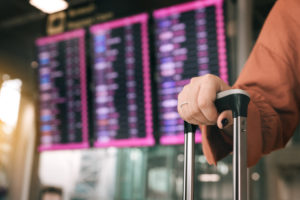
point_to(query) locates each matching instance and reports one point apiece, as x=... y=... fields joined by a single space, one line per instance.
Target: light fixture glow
x=9 y=103
x=255 y=176
x=49 y=6
x=209 y=177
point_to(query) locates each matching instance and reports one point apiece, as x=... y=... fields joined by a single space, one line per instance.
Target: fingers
x=196 y=100
x=187 y=105
x=225 y=119
x=206 y=99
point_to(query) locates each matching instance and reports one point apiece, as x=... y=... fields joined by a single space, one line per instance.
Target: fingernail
x=224 y=122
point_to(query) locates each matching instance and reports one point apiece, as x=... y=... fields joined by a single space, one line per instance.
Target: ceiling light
x=49 y=6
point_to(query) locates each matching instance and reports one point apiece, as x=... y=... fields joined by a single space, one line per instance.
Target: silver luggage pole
x=189 y=161
x=237 y=101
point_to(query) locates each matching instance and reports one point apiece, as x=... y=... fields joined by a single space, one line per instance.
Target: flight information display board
x=122 y=87
x=62 y=88
x=190 y=41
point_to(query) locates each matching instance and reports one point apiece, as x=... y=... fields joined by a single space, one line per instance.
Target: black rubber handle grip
x=189 y=127
x=235 y=100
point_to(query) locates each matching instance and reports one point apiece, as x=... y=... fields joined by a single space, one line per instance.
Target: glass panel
x=152 y=173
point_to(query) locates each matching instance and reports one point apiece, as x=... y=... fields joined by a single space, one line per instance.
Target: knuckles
x=209 y=78
x=201 y=103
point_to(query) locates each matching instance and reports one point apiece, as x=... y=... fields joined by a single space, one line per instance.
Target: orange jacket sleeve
x=272 y=78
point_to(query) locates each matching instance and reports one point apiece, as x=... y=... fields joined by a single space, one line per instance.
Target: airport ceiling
x=12 y=8
x=19 y=12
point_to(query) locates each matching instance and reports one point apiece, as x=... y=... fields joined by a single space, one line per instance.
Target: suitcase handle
x=237 y=101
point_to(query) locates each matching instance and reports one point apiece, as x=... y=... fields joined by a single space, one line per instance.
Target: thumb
x=225 y=119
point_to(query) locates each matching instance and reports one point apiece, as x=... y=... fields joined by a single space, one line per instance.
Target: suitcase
x=236 y=100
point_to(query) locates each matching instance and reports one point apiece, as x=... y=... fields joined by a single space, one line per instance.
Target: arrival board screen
x=121 y=79
x=190 y=41
x=62 y=88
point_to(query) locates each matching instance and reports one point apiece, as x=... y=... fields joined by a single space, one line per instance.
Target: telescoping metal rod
x=240 y=158
x=189 y=161
x=237 y=100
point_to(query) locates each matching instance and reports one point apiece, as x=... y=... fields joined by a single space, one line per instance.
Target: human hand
x=196 y=102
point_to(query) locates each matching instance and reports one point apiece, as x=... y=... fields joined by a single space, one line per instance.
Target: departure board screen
x=62 y=91
x=190 y=41
x=121 y=78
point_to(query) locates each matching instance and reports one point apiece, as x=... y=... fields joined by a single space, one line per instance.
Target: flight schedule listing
x=121 y=81
x=62 y=91
x=190 y=42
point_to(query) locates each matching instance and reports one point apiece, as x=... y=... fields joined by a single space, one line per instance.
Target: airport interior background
x=139 y=155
